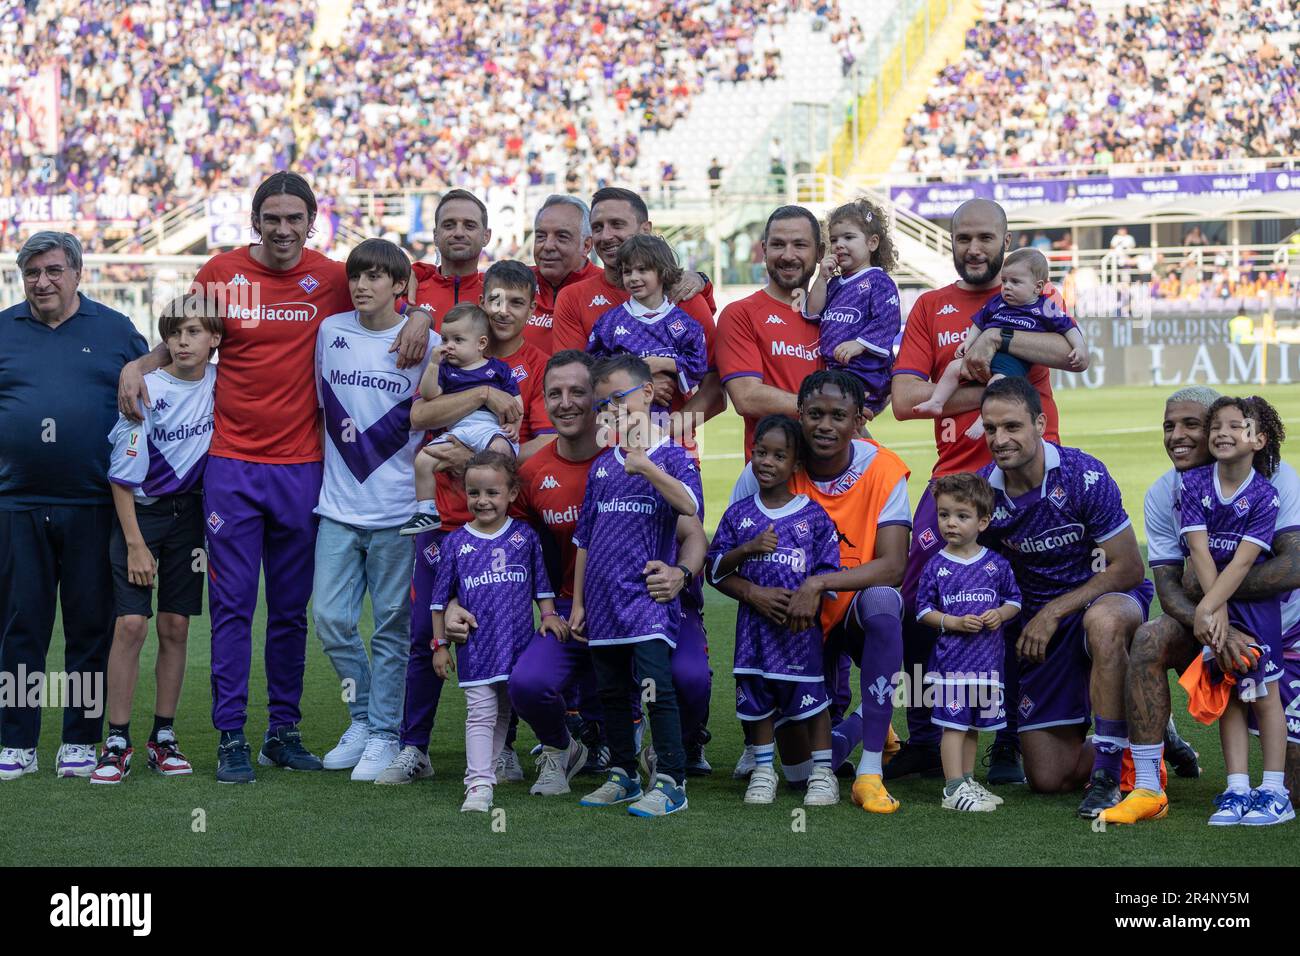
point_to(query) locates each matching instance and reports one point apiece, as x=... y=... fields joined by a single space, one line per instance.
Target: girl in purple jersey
x=493 y=566
x=1229 y=511
x=779 y=673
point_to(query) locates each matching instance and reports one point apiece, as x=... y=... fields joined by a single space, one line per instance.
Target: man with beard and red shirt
x=561 y=245
x=460 y=232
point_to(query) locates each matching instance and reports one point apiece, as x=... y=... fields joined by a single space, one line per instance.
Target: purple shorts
x=967 y=706
x=1055 y=692
x=1289 y=685
x=758 y=698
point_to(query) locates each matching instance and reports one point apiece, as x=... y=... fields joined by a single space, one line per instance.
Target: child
x=464 y=365
x=1021 y=305
x=776 y=540
x=494 y=567
x=1228 y=513
x=156 y=474
x=635 y=493
x=855 y=302
x=366 y=494
x=967 y=593
x=648 y=325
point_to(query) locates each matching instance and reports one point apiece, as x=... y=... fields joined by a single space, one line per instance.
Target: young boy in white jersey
x=156 y=473
x=368 y=491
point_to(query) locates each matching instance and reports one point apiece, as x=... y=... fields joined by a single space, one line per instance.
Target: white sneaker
x=556 y=767
x=379 y=753
x=762 y=785
x=15 y=761
x=968 y=798
x=507 y=766
x=76 y=760
x=350 y=747
x=411 y=764
x=989 y=794
x=823 y=788
x=746 y=764
x=477 y=799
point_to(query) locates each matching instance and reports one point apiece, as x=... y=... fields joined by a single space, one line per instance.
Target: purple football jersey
x=495 y=578
x=862 y=307
x=494 y=373
x=1249 y=515
x=957 y=586
x=624 y=523
x=1044 y=315
x=1051 y=534
x=807 y=545
x=666 y=333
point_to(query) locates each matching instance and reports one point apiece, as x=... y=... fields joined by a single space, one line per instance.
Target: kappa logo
x=1205 y=501
x=1026 y=706
x=621 y=330
x=746 y=523
x=601 y=472
x=944 y=572
x=807 y=700
x=518 y=539
x=893 y=300
x=549 y=483
x=1090 y=478
x=1001 y=514
x=881 y=690
x=928 y=538
x=1057 y=496
x=466 y=548
x=775 y=319
x=340 y=343
x=599 y=300
x=215 y=521
x=239 y=279
x=948 y=309
x=1241 y=506
x=85 y=348
x=161 y=405
x=308 y=284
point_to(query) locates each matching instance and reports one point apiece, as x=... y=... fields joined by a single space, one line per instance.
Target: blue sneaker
x=283 y=748
x=619 y=788
x=665 y=798
x=233 y=764
x=1232 y=807
x=1268 y=807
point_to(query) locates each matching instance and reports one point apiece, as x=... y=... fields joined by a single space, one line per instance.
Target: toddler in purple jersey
x=494 y=568
x=854 y=301
x=967 y=593
x=1228 y=513
x=1021 y=304
x=647 y=324
x=464 y=365
x=776 y=541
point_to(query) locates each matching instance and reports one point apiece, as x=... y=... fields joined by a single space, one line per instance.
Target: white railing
x=990 y=174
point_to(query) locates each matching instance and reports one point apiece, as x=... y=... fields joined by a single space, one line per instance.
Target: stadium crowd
x=1057 y=83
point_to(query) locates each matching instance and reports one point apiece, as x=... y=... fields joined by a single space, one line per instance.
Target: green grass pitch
x=324 y=819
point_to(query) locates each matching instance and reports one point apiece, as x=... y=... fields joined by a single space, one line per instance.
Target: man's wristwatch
x=685 y=571
x=1007 y=335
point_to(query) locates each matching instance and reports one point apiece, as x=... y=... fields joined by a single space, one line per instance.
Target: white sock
x=426 y=507
x=763 y=754
x=821 y=758
x=799 y=772
x=1274 y=782
x=1239 y=782
x=1146 y=765
x=869 y=762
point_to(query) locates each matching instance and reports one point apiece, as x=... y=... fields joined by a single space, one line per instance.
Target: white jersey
x=1164 y=534
x=369 y=445
x=165 y=453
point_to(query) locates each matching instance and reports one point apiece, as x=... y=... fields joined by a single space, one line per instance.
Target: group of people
x=1012 y=599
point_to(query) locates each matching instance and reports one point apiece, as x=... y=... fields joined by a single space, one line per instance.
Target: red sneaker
x=114 y=765
x=167 y=759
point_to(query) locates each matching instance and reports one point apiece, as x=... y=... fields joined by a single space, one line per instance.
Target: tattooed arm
x=1278 y=575
x=1174 y=599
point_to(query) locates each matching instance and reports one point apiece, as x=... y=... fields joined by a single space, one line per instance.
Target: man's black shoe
x=1185 y=761
x=914 y=759
x=1102 y=794
x=1003 y=760
x=233 y=764
x=283 y=748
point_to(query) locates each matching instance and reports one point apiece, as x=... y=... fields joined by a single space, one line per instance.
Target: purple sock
x=1109 y=741
x=882 y=656
x=845 y=737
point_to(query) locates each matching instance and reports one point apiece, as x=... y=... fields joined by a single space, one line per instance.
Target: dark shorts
x=1006 y=364
x=173 y=530
x=759 y=697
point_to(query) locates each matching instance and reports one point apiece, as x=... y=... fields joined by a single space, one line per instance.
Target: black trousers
x=647 y=668
x=55 y=556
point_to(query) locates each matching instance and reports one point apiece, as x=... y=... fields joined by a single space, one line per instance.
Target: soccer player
x=494 y=567
x=156 y=469
x=863 y=487
x=616 y=215
x=629 y=519
x=765 y=345
x=854 y=301
x=1169 y=641
x=367 y=491
x=1060 y=521
x=775 y=541
x=263 y=476
x=561 y=245
x=935 y=329
x=460 y=232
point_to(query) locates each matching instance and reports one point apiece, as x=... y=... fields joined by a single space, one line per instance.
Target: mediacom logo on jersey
x=798 y=351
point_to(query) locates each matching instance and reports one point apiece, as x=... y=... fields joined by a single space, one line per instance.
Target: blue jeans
x=349 y=562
